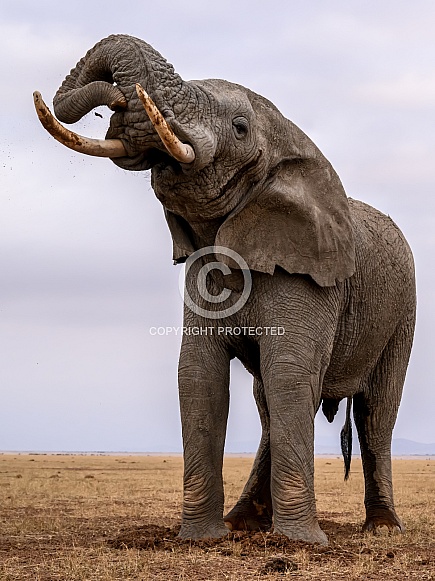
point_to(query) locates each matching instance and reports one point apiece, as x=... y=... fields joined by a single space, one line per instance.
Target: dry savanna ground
x=78 y=518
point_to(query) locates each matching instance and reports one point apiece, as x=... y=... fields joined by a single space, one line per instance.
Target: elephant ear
x=182 y=242
x=298 y=219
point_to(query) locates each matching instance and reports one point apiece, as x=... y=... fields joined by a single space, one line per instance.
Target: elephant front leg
x=204 y=402
x=293 y=394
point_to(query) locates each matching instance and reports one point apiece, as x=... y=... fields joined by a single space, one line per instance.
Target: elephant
x=329 y=311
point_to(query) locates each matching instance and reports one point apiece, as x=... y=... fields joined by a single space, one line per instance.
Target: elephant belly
x=358 y=345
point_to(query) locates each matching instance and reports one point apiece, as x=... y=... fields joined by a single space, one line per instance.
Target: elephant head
x=240 y=175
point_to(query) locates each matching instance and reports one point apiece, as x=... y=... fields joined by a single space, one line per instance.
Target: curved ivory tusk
x=182 y=152
x=97 y=147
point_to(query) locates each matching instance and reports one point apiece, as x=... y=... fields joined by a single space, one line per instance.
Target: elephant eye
x=240 y=127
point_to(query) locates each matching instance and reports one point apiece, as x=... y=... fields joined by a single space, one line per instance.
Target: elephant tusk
x=98 y=147
x=182 y=152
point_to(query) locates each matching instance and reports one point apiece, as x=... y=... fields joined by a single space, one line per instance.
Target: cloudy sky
x=85 y=255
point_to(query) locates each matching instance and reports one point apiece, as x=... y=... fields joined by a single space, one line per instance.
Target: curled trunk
x=107 y=74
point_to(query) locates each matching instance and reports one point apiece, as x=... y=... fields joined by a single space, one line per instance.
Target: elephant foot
x=311 y=534
x=249 y=516
x=195 y=532
x=382 y=517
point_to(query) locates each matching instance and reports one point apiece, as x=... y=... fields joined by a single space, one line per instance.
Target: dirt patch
x=240 y=543
x=166 y=539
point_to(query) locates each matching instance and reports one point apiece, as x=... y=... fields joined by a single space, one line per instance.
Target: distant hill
x=400 y=447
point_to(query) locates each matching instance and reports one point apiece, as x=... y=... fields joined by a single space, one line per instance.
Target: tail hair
x=346 y=439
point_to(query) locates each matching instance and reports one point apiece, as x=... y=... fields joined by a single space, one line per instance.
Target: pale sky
x=85 y=255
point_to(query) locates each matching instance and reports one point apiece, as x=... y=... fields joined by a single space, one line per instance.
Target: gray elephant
x=331 y=311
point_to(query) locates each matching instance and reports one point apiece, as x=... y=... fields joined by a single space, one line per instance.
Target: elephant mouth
x=149 y=158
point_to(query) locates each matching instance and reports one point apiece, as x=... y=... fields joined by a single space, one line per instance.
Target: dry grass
x=102 y=518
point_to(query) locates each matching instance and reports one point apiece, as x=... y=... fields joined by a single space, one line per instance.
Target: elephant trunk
x=107 y=74
x=70 y=106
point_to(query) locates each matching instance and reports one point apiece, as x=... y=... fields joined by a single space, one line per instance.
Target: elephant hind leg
x=375 y=412
x=253 y=510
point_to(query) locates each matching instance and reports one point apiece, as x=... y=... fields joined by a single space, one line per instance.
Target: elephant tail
x=346 y=439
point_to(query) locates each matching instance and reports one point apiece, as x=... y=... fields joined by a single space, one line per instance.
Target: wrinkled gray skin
x=336 y=274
